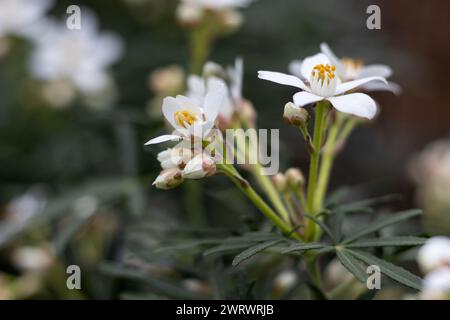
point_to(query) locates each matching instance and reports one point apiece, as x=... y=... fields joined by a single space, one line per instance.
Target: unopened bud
x=295 y=178
x=280 y=182
x=247 y=113
x=295 y=115
x=174 y=157
x=199 y=167
x=212 y=69
x=168 y=179
x=167 y=81
x=232 y=19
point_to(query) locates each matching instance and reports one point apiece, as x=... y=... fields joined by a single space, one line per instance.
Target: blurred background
x=75 y=178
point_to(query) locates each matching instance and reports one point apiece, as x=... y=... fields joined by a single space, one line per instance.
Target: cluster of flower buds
x=180 y=163
x=292 y=179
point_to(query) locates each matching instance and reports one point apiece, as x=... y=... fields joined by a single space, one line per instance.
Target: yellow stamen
x=185 y=117
x=324 y=72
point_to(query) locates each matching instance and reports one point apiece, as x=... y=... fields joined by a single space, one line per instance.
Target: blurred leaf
x=304 y=247
x=254 y=250
x=383 y=222
x=387 y=242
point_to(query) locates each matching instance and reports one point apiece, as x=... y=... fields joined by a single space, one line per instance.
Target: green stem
x=245 y=187
x=317 y=142
x=328 y=155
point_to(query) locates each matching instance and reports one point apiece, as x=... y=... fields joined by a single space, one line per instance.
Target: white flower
x=213 y=75
x=325 y=85
x=199 y=167
x=217 y=4
x=434 y=254
x=81 y=56
x=32 y=259
x=189 y=117
x=174 y=157
x=168 y=179
x=436 y=285
x=17 y=16
x=352 y=69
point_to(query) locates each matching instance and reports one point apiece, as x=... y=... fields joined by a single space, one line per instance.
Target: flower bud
x=434 y=254
x=168 y=179
x=167 y=81
x=212 y=69
x=247 y=113
x=199 y=167
x=174 y=157
x=280 y=182
x=295 y=178
x=295 y=115
x=231 y=19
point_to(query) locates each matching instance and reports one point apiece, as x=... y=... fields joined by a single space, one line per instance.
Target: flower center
x=323 y=80
x=185 y=117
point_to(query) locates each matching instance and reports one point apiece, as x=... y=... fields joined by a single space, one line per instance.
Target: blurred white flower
x=324 y=84
x=167 y=80
x=190 y=118
x=26 y=206
x=217 y=4
x=18 y=16
x=434 y=254
x=215 y=76
x=285 y=280
x=32 y=259
x=81 y=56
x=436 y=285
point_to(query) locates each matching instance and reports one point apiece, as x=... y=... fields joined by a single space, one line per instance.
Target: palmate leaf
x=392 y=271
x=387 y=242
x=351 y=264
x=383 y=222
x=250 y=252
x=323 y=226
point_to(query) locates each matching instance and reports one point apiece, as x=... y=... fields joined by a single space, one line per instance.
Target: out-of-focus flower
x=430 y=170
x=215 y=75
x=285 y=280
x=225 y=16
x=167 y=81
x=168 y=179
x=324 y=84
x=434 y=254
x=80 y=56
x=32 y=259
x=26 y=206
x=18 y=16
x=436 y=285
x=58 y=93
x=350 y=69
x=295 y=178
x=199 y=167
x=189 y=118
x=280 y=182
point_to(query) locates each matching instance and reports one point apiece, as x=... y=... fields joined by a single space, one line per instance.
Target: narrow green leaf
x=351 y=264
x=387 y=242
x=322 y=225
x=383 y=222
x=244 y=255
x=371 y=202
x=226 y=248
x=304 y=247
x=392 y=271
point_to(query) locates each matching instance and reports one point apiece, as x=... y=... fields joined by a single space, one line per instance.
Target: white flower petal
x=188 y=104
x=379 y=86
x=169 y=107
x=310 y=62
x=163 y=138
x=282 y=78
x=326 y=50
x=214 y=99
x=358 y=104
x=303 y=98
x=347 y=86
x=375 y=70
